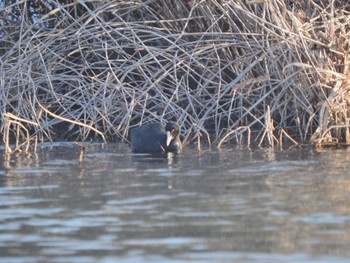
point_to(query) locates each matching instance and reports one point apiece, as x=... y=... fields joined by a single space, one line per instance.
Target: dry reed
x=221 y=68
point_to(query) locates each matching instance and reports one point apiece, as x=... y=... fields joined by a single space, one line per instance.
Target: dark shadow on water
x=145 y=161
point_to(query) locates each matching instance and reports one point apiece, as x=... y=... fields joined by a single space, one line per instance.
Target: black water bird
x=156 y=138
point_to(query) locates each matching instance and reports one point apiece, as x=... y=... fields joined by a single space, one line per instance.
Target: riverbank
x=223 y=70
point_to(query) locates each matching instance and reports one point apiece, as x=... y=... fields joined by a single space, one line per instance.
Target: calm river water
x=234 y=205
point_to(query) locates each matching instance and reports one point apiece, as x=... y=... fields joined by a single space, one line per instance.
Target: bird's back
x=148 y=138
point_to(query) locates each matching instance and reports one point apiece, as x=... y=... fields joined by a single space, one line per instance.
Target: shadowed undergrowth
x=222 y=69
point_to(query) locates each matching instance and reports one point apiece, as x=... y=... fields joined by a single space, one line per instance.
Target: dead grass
x=223 y=69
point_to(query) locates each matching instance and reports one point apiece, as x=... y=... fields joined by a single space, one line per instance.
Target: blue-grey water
x=233 y=205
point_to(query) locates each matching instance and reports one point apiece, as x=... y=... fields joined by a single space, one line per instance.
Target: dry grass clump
x=223 y=69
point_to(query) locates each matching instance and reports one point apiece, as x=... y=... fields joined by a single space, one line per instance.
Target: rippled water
x=234 y=205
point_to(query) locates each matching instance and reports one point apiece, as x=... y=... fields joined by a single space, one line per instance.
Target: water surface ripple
x=234 y=205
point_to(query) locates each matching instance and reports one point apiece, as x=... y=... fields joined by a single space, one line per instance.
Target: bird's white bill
x=169 y=138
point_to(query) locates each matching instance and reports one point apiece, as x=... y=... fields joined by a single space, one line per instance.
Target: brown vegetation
x=223 y=69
